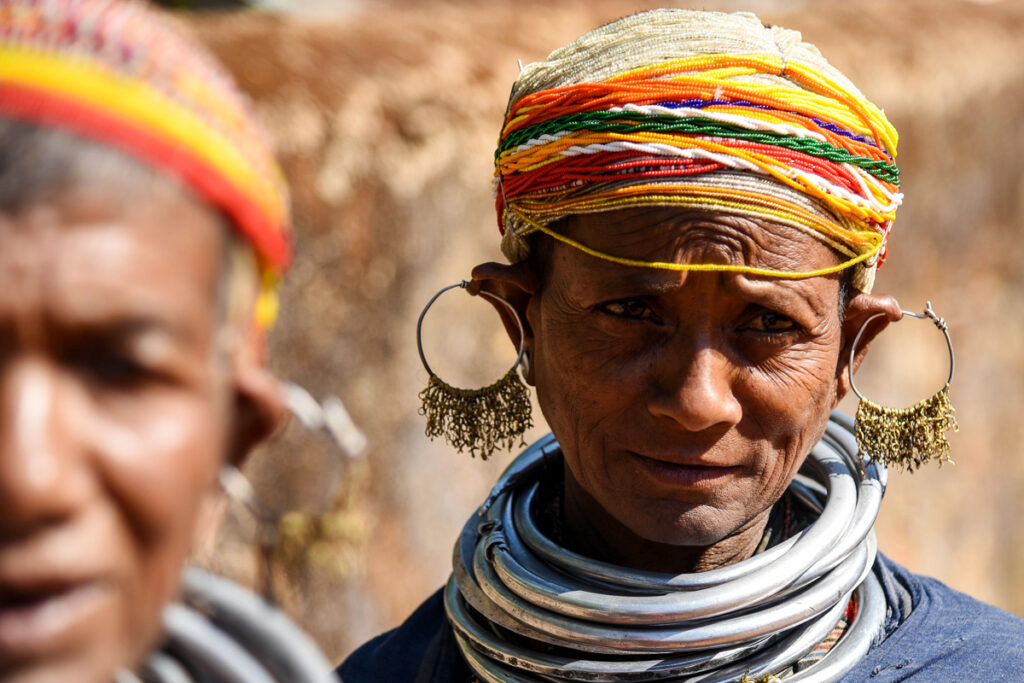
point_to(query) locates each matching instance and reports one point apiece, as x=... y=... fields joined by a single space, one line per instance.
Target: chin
x=93 y=661
x=694 y=526
x=69 y=670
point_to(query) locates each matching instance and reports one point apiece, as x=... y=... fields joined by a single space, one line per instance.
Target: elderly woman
x=694 y=206
x=142 y=222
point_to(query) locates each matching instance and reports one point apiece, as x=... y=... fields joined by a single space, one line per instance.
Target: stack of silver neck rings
x=525 y=609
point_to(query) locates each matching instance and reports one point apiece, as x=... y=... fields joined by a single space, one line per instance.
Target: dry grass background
x=385 y=119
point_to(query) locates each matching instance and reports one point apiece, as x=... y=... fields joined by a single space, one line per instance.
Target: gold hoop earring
x=906 y=437
x=481 y=420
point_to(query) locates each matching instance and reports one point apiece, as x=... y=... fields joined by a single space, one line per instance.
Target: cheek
x=786 y=402
x=588 y=367
x=584 y=380
x=589 y=387
x=159 y=455
x=798 y=382
x=163 y=461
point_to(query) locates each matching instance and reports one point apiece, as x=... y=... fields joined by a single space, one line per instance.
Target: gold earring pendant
x=481 y=420
x=906 y=437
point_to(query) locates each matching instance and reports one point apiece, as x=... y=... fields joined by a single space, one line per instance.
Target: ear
x=258 y=409
x=518 y=284
x=860 y=308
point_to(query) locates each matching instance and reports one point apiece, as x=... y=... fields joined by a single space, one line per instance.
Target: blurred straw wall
x=385 y=117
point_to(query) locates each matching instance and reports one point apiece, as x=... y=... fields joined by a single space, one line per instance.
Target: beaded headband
x=117 y=73
x=701 y=110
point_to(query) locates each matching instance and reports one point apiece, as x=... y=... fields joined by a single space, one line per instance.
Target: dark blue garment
x=422 y=650
x=948 y=636
x=934 y=634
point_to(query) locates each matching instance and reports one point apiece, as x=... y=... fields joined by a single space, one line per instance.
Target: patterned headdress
x=701 y=110
x=118 y=73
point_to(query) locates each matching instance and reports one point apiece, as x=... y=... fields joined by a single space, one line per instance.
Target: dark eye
x=108 y=368
x=772 y=322
x=117 y=370
x=634 y=309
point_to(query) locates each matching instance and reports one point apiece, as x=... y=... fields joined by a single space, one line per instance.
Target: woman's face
x=685 y=402
x=115 y=415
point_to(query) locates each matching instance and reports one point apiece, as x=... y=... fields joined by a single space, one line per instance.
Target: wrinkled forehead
x=678 y=237
x=658 y=234
x=91 y=255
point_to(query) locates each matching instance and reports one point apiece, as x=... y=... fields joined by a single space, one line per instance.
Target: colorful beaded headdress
x=118 y=73
x=701 y=110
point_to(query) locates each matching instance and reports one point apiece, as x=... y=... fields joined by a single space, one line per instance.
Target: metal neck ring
x=928 y=314
x=494 y=297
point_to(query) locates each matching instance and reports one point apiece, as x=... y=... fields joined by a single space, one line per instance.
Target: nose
x=694 y=388
x=37 y=483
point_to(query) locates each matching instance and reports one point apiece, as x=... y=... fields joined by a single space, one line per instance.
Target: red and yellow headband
x=116 y=72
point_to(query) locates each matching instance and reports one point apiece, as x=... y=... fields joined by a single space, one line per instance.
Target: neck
x=592 y=532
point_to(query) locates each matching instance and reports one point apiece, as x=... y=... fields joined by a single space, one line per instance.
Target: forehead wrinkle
x=654 y=233
x=789 y=249
x=672 y=235
x=709 y=243
x=592 y=278
x=87 y=264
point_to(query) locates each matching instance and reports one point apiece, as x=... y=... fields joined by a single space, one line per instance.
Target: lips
x=691 y=472
x=38 y=616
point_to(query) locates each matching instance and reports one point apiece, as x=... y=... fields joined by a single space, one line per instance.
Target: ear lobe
x=880 y=309
x=517 y=284
x=258 y=411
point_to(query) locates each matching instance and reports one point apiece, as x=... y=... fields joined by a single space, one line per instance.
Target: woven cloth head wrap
x=120 y=74
x=700 y=110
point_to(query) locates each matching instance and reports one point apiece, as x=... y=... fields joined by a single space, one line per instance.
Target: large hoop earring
x=297 y=534
x=481 y=420
x=906 y=437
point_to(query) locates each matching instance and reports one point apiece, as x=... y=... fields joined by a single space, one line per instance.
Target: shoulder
x=421 y=650
x=947 y=636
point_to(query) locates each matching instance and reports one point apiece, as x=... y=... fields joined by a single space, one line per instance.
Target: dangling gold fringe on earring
x=907 y=437
x=482 y=420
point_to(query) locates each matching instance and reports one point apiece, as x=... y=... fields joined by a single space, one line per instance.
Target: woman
x=143 y=221
x=694 y=206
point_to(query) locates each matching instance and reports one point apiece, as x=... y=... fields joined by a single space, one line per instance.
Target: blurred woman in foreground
x=143 y=223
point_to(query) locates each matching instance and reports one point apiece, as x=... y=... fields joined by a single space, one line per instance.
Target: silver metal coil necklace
x=524 y=608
